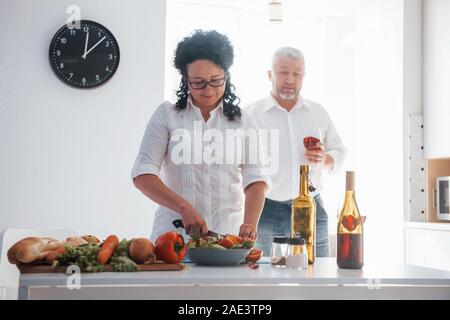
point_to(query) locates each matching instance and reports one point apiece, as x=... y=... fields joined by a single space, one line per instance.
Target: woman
x=181 y=164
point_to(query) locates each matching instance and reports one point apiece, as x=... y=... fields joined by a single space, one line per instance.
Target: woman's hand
x=248 y=230
x=254 y=202
x=152 y=186
x=194 y=225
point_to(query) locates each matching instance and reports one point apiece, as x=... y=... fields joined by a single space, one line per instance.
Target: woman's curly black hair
x=213 y=46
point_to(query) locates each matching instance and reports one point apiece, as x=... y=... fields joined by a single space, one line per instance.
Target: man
x=295 y=118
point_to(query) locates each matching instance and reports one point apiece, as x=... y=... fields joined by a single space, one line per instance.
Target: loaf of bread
x=32 y=249
x=75 y=241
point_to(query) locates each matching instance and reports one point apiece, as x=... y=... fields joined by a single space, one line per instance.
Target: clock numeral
x=83 y=81
x=86 y=29
x=110 y=56
x=107 y=44
x=63 y=40
x=107 y=68
x=70 y=75
x=58 y=52
x=72 y=32
x=99 y=34
x=61 y=65
x=97 y=77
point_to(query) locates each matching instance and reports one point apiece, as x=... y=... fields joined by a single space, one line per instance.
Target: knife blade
x=179 y=224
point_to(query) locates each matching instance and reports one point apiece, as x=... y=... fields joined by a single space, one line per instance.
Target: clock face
x=86 y=57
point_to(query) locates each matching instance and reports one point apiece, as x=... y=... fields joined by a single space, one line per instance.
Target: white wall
x=436 y=75
x=66 y=154
x=412 y=88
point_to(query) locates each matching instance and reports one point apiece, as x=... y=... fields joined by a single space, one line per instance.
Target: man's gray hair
x=289 y=52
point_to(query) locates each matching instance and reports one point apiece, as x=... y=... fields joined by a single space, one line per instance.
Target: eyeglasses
x=198 y=85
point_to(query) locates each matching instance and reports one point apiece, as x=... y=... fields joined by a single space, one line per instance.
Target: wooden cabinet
x=434 y=169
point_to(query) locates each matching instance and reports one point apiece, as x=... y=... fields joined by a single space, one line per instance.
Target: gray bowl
x=217 y=257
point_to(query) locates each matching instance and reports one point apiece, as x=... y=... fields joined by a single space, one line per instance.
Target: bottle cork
x=350 y=181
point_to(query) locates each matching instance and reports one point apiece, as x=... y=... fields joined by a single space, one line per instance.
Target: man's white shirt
x=288 y=150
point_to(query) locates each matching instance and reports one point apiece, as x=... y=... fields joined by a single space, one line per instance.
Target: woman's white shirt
x=206 y=162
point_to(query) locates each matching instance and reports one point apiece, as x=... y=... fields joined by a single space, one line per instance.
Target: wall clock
x=86 y=57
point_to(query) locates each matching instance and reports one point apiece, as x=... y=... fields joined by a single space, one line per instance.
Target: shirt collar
x=190 y=104
x=271 y=103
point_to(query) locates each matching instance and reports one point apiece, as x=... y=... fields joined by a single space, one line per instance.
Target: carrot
x=53 y=255
x=108 y=248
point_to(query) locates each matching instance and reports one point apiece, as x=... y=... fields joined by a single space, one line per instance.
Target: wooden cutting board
x=155 y=266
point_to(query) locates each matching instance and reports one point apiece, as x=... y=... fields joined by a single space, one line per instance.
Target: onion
x=142 y=251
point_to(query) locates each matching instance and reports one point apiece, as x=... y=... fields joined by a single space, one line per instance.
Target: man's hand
x=319 y=157
x=316 y=156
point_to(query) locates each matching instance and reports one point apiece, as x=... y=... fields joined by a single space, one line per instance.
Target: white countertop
x=324 y=273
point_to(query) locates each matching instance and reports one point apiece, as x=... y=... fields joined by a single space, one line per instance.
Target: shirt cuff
x=251 y=178
x=337 y=161
x=145 y=168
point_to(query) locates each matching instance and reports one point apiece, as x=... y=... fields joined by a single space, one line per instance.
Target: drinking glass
x=311 y=137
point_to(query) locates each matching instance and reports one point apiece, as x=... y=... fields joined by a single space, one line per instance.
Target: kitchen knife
x=179 y=224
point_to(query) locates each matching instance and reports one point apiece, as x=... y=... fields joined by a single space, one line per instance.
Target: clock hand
x=85 y=54
x=85 y=45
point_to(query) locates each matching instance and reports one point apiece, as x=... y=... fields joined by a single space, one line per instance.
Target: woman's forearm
x=254 y=202
x=152 y=186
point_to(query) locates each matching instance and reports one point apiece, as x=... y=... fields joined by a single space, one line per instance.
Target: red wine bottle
x=350 y=230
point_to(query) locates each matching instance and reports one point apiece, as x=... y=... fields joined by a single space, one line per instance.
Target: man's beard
x=292 y=96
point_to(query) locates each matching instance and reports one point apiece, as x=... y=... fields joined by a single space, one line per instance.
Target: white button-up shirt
x=189 y=156
x=289 y=150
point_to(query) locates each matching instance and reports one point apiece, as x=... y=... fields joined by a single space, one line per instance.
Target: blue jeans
x=276 y=221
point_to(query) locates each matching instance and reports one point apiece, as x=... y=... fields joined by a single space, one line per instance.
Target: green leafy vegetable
x=123 y=264
x=123 y=248
x=214 y=243
x=84 y=256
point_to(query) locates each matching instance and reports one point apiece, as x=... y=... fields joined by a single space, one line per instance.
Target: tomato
x=170 y=247
x=234 y=239
x=226 y=243
x=246 y=242
x=254 y=255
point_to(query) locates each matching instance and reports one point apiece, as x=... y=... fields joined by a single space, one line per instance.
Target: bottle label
x=350 y=223
x=302 y=224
